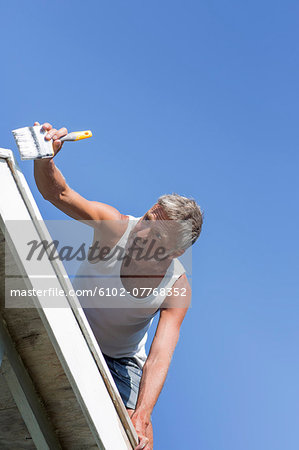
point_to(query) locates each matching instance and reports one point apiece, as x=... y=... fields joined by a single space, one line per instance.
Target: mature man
x=147 y=278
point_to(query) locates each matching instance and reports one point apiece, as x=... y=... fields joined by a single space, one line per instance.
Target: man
x=147 y=278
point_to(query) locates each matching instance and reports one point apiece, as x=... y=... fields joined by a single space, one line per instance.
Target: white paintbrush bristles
x=32 y=144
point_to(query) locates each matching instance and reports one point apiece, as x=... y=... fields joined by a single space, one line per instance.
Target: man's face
x=153 y=231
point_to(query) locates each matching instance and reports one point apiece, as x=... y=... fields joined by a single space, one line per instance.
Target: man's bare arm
x=158 y=361
x=54 y=188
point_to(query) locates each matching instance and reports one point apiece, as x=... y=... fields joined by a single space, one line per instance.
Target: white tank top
x=119 y=320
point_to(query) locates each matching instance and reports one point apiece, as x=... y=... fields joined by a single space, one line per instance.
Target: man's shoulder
x=180 y=295
x=182 y=282
x=111 y=231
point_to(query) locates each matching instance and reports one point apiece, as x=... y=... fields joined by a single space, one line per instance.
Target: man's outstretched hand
x=53 y=134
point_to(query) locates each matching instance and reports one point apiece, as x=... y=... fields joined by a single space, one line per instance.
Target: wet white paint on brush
x=32 y=144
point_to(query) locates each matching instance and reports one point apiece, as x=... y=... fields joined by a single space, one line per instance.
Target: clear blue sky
x=199 y=98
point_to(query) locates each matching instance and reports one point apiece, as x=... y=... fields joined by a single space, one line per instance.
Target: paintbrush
x=32 y=144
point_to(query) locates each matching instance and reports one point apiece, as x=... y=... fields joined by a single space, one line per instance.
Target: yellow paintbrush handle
x=76 y=136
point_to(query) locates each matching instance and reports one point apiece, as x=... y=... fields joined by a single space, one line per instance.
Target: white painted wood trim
x=57 y=328
x=73 y=301
x=5 y=153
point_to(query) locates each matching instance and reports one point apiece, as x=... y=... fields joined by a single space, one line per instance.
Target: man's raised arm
x=54 y=188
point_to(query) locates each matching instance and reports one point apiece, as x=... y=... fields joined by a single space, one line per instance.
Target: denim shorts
x=127 y=375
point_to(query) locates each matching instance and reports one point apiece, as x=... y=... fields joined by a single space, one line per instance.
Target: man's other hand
x=144 y=431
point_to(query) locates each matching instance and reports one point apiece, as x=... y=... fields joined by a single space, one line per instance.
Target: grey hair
x=188 y=213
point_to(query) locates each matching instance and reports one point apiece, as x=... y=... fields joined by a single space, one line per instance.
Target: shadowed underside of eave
x=43 y=366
